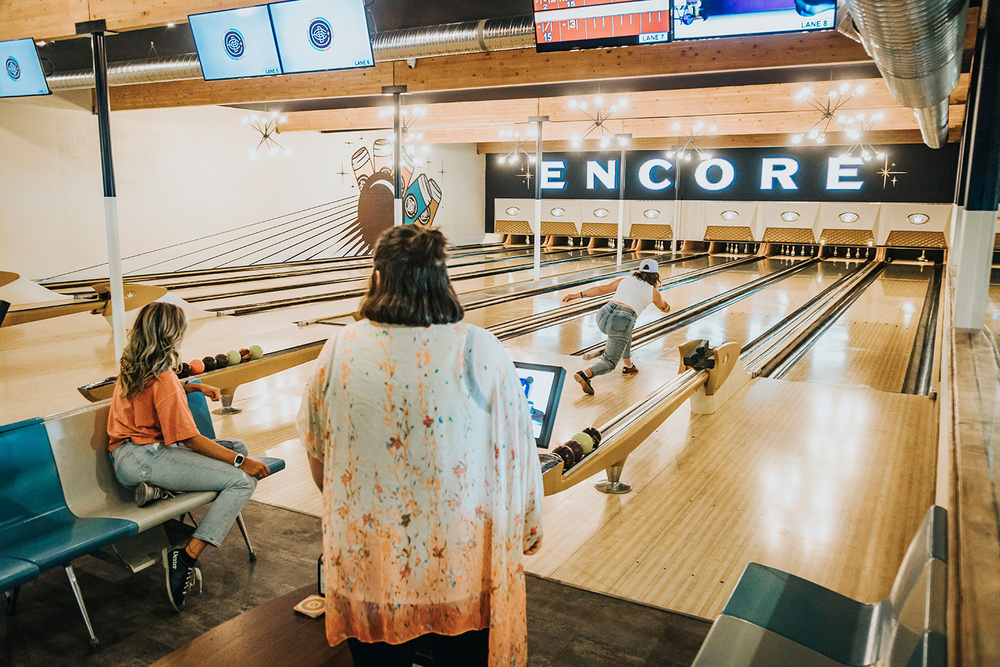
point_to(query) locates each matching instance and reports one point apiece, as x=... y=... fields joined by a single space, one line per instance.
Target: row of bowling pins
x=741 y=248
x=421 y=196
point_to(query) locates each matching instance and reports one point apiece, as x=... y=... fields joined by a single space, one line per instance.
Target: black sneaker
x=630 y=370
x=146 y=493
x=181 y=578
x=584 y=381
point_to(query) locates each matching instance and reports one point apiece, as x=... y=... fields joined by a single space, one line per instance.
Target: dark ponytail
x=413 y=288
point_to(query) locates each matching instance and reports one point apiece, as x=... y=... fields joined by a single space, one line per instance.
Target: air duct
x=514 y=32
x=917 y=46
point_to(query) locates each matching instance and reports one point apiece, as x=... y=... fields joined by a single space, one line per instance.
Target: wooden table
x=270 y=634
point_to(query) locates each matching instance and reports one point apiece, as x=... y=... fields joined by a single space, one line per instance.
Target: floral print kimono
x=432 y=489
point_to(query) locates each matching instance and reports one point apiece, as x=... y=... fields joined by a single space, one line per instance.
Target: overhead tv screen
x=320 y=35
x=561 y=25
x=235 y=44
x=699 y=19
x=22 y=75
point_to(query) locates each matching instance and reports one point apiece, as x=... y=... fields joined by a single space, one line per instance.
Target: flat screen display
x=542 y=385
x=698 y=19
x=561 y=25
x=319 y=35
x=22 y=75
x=235 y=44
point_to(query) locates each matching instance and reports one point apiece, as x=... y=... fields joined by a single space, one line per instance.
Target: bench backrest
x=79 y=440
x=912 y=627
x=30 y=487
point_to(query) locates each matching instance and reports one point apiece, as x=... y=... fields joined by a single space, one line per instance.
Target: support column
x=397 y=151
x=623 y=142
x=96 y=30
x=538 y=194
x=982 y=147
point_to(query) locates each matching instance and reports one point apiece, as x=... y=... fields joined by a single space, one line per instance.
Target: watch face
x=238 y=461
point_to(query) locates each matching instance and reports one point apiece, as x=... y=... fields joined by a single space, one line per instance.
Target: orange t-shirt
x=158 y=413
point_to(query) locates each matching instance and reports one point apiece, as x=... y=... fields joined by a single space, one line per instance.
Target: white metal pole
x=623 y=142
x=538 y=195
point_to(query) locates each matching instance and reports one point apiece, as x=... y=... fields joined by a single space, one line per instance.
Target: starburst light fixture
x=836 y=98
x=598 y=114
x=690 y=146
x=518 y=150
x=857 y=128
x=267 y=125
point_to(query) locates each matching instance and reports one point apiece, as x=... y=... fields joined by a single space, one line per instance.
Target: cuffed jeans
x=177 y=468
x=616 y=322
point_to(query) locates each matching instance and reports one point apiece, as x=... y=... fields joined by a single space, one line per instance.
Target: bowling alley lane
x=870 y=344
x=500 y=314
x=738 y=322
x=299 y=284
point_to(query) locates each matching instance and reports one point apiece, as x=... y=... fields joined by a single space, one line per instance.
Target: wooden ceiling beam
x=506 y=69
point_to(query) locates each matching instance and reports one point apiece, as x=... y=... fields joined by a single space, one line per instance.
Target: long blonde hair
x=152 y=346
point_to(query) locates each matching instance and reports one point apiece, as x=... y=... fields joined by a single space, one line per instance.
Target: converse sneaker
x=181 y=577
x=146 y=493
x=630 y=370
x=584 y=381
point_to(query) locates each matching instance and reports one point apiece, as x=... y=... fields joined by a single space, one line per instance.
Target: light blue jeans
x=616 y=321
x=177 y=468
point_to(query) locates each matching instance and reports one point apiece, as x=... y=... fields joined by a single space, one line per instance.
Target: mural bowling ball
x=374 y=208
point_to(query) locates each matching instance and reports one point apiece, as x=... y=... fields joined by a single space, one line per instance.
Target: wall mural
x=373 y=171
x=344 y=227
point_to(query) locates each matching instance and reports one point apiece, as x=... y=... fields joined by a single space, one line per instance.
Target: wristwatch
x=238 y=461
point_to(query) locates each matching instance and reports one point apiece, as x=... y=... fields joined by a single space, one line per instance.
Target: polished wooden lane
x=870 y=344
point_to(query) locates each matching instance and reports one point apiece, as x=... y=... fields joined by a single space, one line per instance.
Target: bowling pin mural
x=382 y=148
x=361 y=161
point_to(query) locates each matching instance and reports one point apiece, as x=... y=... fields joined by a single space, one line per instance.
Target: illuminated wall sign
x=911 y=173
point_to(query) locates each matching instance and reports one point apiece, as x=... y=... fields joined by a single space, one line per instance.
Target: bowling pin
x=407 y=169
x=361 y=161
x=382 y=148
x=415 y=200
x=427 y=217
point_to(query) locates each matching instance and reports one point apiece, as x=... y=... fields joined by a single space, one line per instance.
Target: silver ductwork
x=515 y=32
x=917 y=46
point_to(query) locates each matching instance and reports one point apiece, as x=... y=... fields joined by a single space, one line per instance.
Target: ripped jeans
x=177 y=468
x=616 y=322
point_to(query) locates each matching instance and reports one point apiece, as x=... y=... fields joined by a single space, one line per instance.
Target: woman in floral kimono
x=419 y=436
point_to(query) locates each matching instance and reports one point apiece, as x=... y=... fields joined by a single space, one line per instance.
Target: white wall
x=181 y=174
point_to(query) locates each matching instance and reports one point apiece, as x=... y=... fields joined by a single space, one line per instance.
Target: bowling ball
x=595 y=434
x=585 y=441
x=221 y=361
x=576 y=448
x=566 y=454
x=184 y=371
x=256 y=352
x=197 y=366
x=210 y=363
x=375 y=213
x=234 y=357
x=548 y=460
x=244 y=355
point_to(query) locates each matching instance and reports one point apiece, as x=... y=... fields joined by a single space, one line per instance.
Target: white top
x=634 y=293
x=432 y=488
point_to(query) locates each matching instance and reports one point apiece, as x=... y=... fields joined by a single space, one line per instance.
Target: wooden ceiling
x=746 y=87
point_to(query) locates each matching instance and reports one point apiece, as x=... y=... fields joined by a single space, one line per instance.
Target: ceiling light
x=650 y=213
x=600 y=212
x=848 y=216
x=512 y=210
x=558 y=212
x=918 y=218
x=789 y=216
x=729 y=214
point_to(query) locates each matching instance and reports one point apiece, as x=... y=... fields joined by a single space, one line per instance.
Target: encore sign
x=907 y=173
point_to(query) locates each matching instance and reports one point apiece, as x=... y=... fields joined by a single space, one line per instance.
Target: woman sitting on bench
x=154 y=441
